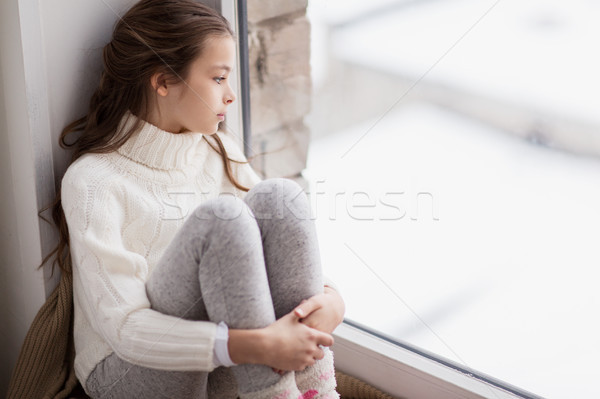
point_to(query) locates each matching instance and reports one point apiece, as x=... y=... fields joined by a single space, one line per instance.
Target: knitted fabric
x=45 y=365
x=318 y=381
x=123 y=209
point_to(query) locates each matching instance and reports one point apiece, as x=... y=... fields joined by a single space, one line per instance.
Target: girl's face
x=200 y=103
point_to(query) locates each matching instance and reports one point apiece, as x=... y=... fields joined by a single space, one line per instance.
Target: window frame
x=238 y=117
x=404 y=370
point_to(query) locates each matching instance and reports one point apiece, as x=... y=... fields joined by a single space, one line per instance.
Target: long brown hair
x=153 y=36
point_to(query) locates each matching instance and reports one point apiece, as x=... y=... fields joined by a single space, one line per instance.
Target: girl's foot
x=318 y=380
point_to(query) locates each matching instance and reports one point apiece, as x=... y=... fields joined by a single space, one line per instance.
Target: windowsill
x=404 y=372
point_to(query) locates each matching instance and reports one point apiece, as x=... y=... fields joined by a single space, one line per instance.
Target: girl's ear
x=159 y=83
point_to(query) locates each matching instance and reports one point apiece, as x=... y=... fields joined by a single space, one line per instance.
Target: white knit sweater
x=123 y=209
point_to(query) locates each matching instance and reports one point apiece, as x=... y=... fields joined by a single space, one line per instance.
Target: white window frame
x=405 y=371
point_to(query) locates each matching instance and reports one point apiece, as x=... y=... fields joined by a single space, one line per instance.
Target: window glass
x=454 y=172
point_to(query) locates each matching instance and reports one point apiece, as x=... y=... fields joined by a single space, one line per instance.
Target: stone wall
x=280 y=85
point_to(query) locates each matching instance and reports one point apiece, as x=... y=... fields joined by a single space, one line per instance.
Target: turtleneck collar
x=157 y=148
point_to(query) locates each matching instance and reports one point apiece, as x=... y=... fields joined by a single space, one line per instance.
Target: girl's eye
x=219 y=79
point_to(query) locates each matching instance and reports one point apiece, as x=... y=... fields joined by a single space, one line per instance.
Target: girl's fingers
x=319 y=354
x=306 y=307
x=324 y=339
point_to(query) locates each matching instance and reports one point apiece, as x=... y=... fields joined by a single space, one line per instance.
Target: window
x=453 y=175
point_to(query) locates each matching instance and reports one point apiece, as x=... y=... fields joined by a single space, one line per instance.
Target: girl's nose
x=229 y=98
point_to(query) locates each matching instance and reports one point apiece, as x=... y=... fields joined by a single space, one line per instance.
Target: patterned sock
x=318 y=380
x=285 y=388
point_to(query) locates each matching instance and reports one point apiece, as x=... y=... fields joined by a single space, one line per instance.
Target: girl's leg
x=114 y=378
x=289 y=242
x=216 y=271
x=213 y=270
x=293 y=264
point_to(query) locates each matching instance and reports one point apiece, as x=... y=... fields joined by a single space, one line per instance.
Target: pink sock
x=318 y=380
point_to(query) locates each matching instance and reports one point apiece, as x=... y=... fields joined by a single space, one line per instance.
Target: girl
x=171 y=279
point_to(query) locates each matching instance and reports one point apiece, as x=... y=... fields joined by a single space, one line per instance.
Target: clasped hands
x=313 y=321
x=294 y=341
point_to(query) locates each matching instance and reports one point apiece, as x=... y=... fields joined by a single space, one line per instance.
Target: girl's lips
x=221 y=116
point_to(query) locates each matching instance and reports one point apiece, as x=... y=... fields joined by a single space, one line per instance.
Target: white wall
x=21 y=286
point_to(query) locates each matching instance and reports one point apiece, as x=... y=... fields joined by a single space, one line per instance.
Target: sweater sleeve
x=109 y=288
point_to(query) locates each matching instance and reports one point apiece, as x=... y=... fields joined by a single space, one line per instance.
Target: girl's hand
x=287 y=344
x=294 y=345
x=323 y=312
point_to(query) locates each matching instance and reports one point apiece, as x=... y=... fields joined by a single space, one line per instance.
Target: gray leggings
x=246 y=263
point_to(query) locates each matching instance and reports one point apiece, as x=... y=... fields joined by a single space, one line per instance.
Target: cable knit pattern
x=123 y=209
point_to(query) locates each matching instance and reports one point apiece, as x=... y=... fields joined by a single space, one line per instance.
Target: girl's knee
x=223 y=208
x=278 y=198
